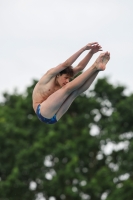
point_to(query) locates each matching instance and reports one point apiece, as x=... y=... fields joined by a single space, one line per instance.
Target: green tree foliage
x=68 y=160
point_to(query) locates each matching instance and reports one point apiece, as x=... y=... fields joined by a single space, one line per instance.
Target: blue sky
x=36 y=35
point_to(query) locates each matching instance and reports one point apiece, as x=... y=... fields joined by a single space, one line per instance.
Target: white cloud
x=36 y=35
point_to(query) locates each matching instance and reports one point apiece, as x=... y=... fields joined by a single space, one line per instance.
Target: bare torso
x=42 y=91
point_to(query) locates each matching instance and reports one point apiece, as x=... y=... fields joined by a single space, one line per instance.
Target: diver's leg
x=65 y=106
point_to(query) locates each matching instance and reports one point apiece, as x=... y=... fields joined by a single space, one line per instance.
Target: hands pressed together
x=94 y=47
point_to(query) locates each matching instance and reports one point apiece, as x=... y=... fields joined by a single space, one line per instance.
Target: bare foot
x=101 y=61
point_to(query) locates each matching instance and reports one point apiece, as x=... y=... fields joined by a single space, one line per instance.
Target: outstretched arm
x=72 y=59
x=82 y=64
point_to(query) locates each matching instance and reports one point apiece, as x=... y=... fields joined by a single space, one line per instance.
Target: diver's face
x=63 y=79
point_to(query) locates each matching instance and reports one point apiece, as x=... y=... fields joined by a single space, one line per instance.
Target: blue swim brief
x=43 y=119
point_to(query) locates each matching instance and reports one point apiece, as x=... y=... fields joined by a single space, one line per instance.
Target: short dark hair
x=68 y=70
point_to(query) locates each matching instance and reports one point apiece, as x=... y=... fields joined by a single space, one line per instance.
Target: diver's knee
x=67 y=87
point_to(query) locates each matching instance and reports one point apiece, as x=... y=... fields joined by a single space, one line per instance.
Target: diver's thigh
x=53 y=103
